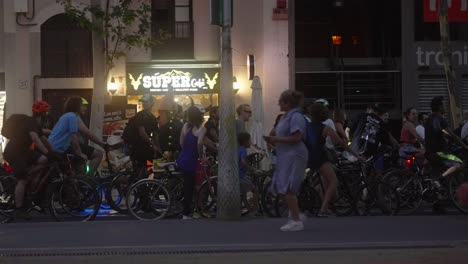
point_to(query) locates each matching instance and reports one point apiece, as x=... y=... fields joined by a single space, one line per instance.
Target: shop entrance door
x=57 y=97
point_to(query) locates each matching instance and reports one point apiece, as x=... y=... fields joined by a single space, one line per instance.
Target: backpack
x=313 y=139
x=13 y=125
x=130 y=133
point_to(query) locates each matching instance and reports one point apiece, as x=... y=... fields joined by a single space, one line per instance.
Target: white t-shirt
x=329 y=144
x=420 y=130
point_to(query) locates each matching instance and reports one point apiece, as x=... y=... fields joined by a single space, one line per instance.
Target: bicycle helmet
x=322 y=102
x=40 y=107
x=84 y=101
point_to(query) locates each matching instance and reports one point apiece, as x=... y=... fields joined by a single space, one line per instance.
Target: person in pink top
x=410 y=140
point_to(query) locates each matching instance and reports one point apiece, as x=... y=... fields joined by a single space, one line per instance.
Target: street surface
x=399 y=239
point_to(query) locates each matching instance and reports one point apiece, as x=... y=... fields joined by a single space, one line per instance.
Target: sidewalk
x=252 y=238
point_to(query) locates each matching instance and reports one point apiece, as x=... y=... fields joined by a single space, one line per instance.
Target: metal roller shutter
x=430 y=86
x=464 y=92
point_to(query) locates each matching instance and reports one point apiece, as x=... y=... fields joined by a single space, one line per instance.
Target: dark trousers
x=189 y=186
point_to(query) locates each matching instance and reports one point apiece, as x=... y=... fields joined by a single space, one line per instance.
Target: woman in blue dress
x=291 y=155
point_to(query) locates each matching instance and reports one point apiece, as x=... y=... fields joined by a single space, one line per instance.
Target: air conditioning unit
x=21 y=6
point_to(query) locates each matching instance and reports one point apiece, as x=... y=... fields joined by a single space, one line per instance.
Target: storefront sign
x=432 y=56
x=141 y=80
x=457 y=11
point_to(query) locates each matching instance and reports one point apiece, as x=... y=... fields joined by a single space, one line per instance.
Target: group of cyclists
x=32 y=144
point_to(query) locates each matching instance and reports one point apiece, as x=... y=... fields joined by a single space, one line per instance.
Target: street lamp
x=112 y=86
x=235 y=85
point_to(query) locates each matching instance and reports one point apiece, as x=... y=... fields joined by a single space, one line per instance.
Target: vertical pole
x=99 y=78
x=228 y=198
x=454 y=99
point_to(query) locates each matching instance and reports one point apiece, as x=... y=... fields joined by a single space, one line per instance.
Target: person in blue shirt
x=246 y=185
x=65 y=132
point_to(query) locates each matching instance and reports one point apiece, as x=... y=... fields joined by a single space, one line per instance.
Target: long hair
x=195 y=116
x=73 y=104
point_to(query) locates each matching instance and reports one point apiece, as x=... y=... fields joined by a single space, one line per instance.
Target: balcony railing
x=177 y=40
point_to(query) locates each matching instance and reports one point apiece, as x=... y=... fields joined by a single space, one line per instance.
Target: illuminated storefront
x=186 y=83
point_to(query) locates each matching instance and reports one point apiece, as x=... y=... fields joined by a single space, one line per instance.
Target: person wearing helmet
x=27 y=152
x=40 y=111
x=333 y=156
x=65 y=134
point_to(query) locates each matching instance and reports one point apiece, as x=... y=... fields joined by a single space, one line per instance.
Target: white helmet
x=322 y=102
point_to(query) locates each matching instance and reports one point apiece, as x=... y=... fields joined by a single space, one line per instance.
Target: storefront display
x=187 y=83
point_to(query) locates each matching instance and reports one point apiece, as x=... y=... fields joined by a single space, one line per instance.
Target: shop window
x=368 y=28
x=172 y=19
x=352 y=91
x=66 y=49
x=430 y=31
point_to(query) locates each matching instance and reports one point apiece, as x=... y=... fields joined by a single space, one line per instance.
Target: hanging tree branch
x=124 y=26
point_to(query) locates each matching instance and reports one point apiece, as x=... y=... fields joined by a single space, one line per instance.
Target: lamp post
x=228 y=197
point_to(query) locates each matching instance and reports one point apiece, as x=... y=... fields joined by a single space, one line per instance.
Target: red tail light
x=7 y=167
x=410 y=161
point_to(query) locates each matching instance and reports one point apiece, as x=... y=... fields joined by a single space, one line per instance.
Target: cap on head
x=84 y=101
x=322 y=102
x=148 y=98
x=200 y=107
x=40 y=107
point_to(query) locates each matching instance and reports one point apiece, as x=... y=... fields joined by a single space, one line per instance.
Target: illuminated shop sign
x=457 y=10
x=431 y=55
x=141 y=80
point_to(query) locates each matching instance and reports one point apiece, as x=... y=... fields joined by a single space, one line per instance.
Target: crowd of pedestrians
x=304 y=136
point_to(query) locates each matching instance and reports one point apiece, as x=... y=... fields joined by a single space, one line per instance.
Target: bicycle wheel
x=148 y=200
x=269 y=201
x=249 y=198
x=117 y=191
x=7 y=197
x=344 y=202
x=409 y=189
x=453 y=183
x=376 y=198
x=206 y=198
x=74 y=199
x=308 y=198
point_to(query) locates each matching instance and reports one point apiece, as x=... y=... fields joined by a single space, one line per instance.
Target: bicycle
x=415 y=186
x=63 y=194
x=154 y=199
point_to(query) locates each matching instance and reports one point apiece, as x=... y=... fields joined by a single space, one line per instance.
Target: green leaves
x=124 y=26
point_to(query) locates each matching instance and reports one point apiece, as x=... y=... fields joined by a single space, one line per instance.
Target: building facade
x=44 y=55
x=358 y=52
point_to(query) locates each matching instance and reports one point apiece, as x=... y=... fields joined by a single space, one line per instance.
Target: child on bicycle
x=246 y=185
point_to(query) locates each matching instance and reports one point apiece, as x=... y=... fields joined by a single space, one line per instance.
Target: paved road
x=253 y=238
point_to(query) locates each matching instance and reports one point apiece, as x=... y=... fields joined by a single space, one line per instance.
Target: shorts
x=20 y=164
x=141 y=153
x=87 y=150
